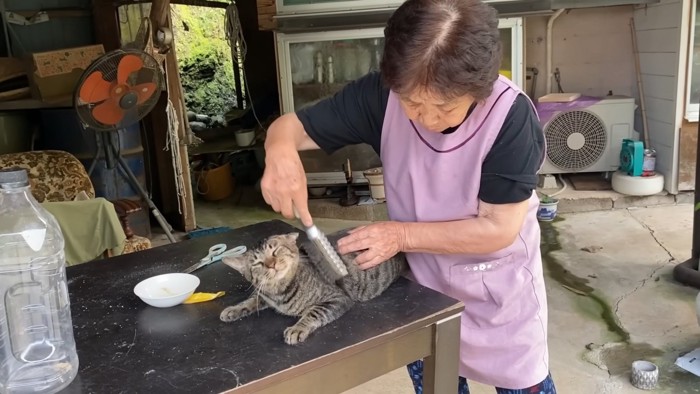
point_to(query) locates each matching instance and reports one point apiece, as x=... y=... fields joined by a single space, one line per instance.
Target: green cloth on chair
x=90 y=227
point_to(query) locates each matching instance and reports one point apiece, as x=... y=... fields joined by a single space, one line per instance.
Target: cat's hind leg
x=315 y=317
x=243 y=309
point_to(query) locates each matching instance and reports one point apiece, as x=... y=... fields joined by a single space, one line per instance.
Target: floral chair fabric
x=54 y=175
x=60 y=176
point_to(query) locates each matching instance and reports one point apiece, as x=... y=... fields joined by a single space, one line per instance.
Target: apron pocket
x=513 y=294
x=468 y=283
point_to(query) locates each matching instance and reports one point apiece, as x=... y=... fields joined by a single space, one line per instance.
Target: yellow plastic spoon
x=203 y=297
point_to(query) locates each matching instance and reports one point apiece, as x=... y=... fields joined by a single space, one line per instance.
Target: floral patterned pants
x=415 y=371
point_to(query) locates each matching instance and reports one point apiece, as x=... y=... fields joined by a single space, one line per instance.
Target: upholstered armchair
x=59 y=176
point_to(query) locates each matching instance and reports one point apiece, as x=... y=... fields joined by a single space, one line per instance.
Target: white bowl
x=164 y=291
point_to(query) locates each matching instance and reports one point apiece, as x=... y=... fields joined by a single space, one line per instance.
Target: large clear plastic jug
x=37 y=348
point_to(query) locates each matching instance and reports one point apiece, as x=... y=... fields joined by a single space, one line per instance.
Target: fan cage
x=108 y=65
x=565 y=125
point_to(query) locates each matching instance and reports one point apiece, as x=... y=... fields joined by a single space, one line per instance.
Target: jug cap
x=12 y=178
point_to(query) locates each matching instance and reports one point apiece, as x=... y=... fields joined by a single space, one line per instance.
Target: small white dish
x=166 y=290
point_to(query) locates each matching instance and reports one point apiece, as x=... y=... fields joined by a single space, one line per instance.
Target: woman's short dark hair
x=450 y=47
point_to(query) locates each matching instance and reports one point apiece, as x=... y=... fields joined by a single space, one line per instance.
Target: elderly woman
x=460 y=147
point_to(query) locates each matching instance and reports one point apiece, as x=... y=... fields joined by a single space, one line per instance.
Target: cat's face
x=276 y=258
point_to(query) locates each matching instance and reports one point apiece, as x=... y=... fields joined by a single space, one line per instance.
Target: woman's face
x=434 y=113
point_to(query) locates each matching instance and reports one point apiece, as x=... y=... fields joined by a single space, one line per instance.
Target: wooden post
x=167 y=173
x=266 y=11
x=177 y=98
x=160 y=12
x=106 y=24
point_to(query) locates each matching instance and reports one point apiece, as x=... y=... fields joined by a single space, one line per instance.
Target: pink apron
x=434 y=177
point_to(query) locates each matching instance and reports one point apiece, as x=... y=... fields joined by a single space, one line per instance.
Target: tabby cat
x=286 y=278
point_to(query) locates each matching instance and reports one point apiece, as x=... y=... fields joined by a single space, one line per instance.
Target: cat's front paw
x=294 y=335
x=233 y=313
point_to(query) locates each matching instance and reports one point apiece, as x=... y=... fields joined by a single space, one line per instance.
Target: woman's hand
x=379 y=242
x=284 y=182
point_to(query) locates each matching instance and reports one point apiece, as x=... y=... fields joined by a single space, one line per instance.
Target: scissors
x=216 y=253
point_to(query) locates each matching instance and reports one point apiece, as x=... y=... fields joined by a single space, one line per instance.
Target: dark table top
x=126 y=346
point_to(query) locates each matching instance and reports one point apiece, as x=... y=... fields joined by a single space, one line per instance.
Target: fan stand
x=109 y=148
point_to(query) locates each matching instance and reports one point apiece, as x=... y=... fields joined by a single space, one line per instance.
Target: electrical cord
x=557 y=77
x=239 y=50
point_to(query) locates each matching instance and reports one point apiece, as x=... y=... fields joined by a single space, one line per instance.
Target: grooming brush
x=331 y=263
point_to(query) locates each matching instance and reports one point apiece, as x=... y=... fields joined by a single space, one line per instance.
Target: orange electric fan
x=115 y=92
x=118 y=90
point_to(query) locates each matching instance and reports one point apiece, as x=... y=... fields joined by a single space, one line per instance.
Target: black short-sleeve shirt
x=355 y=115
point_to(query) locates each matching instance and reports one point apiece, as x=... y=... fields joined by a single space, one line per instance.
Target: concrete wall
x=591 y=47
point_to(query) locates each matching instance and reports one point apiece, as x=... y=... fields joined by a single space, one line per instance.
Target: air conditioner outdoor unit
x=585 y=135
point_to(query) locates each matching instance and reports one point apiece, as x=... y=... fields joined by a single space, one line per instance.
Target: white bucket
x=245 y=137
x=375 y=177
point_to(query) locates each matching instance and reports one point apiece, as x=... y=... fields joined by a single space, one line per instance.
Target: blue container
x=60 y=129
x=547 y=211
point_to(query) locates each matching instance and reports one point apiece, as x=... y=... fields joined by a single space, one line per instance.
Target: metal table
x=126 y=346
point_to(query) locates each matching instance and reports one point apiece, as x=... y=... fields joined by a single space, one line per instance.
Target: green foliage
x=548 y=200
x=204 y=59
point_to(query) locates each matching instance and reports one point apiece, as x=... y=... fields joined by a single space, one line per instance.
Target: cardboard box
x=54 y=75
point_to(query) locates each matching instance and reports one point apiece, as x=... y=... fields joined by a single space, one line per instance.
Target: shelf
x=24 y=104
x=220 y=145
x=316 y=87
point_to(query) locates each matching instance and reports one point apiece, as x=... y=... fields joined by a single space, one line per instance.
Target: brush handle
x=313 y=232
x=296 y=215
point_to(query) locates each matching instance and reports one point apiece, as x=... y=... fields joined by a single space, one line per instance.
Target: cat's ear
x=291 y=237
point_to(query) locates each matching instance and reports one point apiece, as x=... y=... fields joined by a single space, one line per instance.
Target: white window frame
x=692 y=110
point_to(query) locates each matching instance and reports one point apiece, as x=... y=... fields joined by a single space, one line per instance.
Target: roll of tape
x=164 y=36
x=645 y=375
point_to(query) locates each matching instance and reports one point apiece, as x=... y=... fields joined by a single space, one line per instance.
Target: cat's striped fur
x=286 y=278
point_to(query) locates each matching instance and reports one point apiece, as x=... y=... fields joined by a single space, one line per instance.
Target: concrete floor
x=612 y=298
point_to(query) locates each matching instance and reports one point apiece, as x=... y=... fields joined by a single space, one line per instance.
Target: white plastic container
x=37 y=347
x=637 y=185
x=375 y=178
x=245 y=137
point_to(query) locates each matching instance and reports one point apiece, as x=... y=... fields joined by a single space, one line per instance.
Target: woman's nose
x=429 y=120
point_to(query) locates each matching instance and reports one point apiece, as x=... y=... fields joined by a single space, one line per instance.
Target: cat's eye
x=279 y=250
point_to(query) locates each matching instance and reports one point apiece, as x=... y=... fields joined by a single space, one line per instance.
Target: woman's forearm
x=287 y=132
x=468 y=236
x=496 y=227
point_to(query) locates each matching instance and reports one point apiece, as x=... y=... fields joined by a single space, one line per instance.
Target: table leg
x=441 y=369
